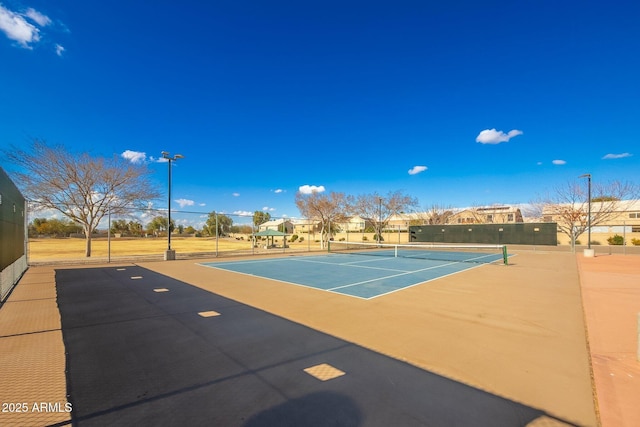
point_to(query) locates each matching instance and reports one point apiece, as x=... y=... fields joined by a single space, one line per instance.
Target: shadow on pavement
x=146 y=349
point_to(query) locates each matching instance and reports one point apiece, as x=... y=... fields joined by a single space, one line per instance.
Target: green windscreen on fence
x=499 y=234
x=12 y=235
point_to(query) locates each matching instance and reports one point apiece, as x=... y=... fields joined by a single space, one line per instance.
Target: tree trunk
x=88 y=244
x=322 y=246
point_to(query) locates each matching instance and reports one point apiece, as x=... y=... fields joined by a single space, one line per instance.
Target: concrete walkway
x=33 y=382
x=33 y=389
x=611 y=294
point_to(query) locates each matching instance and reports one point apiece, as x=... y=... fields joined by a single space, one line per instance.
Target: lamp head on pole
x=166 y=155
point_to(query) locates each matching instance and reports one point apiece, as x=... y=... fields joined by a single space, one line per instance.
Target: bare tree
x=325 y=208
x=379 y=209
x=568 y=206
x=80 y=187
x=434 y=215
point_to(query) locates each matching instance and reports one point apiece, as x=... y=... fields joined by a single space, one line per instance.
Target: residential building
x=277 y=225
x=487 y=215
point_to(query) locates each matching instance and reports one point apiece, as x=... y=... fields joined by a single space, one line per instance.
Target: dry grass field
x=74 y=248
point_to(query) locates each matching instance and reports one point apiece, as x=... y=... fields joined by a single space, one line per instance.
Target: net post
x=505 y=256
x=329 y=246
x=395 y=252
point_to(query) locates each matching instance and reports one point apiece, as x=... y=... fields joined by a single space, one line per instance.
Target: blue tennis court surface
x=354 y=275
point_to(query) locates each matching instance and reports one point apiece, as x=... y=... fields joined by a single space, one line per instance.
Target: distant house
x=277 y=225
x=624 y=217
x=305 y=226
x=355 y=224
x=402 y=221
x=487 y=215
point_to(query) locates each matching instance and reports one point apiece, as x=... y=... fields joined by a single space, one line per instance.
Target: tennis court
x=368 y=271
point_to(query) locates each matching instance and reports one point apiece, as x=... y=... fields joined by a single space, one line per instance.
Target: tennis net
x=457 y=253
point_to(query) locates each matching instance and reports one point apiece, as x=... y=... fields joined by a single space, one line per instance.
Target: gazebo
x=271 y=234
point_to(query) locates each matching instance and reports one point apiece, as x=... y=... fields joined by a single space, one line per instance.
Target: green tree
x=135 y=228
x=224 y=224
x=119 y=226
x=158 y=225
x=260 y=217
x=53 y=227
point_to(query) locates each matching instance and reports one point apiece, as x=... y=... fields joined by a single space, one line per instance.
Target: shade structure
x=270 y=234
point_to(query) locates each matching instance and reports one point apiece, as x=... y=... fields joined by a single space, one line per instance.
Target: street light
x=588 y=176
x=170 y=254
x=379 y=219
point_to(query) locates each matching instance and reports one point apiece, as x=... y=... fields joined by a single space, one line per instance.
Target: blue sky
x=456 y=103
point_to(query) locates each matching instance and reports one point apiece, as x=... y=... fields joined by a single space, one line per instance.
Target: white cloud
x=202 y=204
x=278 y=191
x=492 y=136
x=310 y=189
x=559 y=162
x=134 y=156
x=417 y=169
x=37 y=17
x=243 y=213
x=185 y=202
x=236 y=194
x=59 y=49
x=617 y=156
x=16 y=28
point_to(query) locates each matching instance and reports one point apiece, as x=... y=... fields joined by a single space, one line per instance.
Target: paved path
x=611 y=294
x=33 y=390
x=121 y=370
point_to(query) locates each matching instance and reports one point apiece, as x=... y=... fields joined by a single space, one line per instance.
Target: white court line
x=351 y=264
x=394 y=275
x=284 y=281
x=426 y=281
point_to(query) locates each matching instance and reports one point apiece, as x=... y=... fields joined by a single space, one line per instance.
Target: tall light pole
x=170 y=254
x=588 y=176
x=379 y=219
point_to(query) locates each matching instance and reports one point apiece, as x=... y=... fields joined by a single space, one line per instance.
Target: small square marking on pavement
x=161 y=290
x=324 y=372
x=209 y=313
x=136 y=277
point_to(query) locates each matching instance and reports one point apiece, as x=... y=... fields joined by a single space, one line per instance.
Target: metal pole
x=169 y=210
x=216 y=234
x=589 y=208
x=170 y=255
x=109 y=238
x=379 y=220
